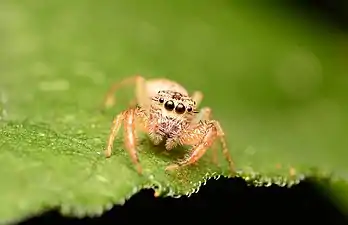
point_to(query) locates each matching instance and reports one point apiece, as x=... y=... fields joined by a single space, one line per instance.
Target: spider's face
x=174 y=104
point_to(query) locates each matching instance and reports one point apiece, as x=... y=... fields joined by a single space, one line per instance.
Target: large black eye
x=161 y=100
x=180 y=108
x=189 y=109
x=169 y=105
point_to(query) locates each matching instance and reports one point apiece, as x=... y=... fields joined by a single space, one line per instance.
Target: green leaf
x=276 y=83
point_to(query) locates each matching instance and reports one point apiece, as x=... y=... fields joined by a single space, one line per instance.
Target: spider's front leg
x=128 y=117
x=199 y=149
x=213 y=131
x=205 y=114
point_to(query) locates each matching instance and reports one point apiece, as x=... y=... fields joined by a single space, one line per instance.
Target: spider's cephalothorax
x=167 y=113
x=171 y=113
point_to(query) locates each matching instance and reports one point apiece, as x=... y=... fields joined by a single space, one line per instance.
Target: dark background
x=224 y=201
x=231 y=201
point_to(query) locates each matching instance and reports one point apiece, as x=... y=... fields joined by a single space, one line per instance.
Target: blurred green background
x=275 y=76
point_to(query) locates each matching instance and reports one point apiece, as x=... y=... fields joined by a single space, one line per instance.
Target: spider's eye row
x=180 y=108
x=161 y=100
x=189 y=109
x=169 y=105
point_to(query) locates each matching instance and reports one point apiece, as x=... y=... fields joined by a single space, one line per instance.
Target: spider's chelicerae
x=166 y=112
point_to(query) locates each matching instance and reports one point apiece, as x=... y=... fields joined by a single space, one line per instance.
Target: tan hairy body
x=164 y=110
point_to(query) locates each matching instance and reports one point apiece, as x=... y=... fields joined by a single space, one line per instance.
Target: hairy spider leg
x=225 y=152
x=130 y=138
x=199 y=149
x=205 y=114
x=214 y=131
x=140 y=92
x=116 y=125
x=128 y=117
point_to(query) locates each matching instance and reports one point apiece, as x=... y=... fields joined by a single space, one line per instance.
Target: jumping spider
x=166 y=112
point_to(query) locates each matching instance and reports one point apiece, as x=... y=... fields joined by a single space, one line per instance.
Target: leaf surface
x=278 y=87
